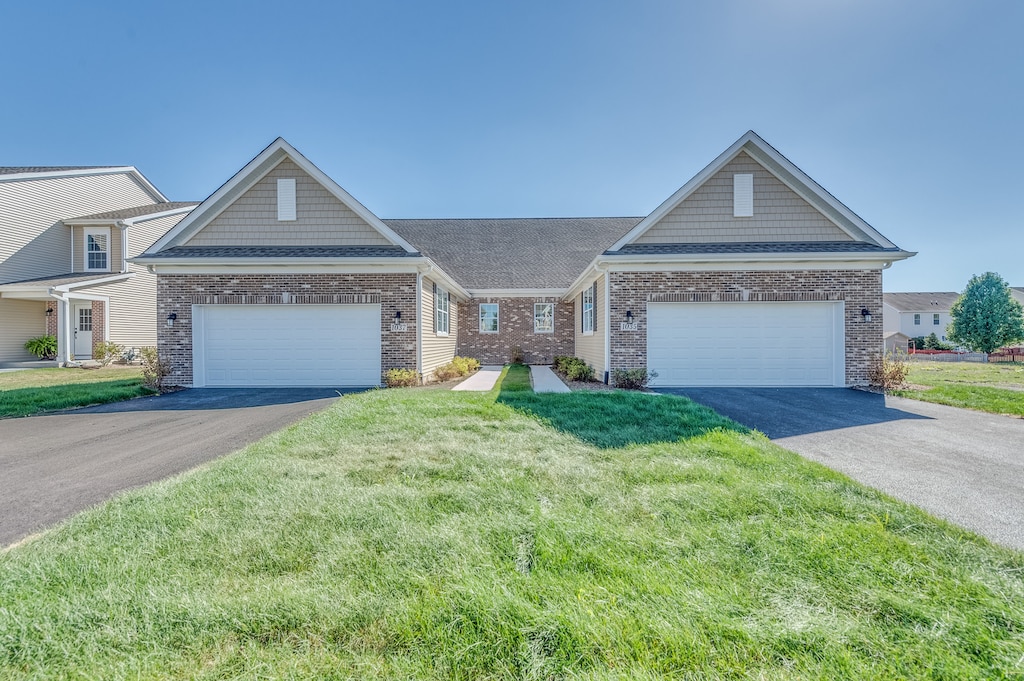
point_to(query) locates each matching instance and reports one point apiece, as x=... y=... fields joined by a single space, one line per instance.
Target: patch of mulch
x=594 y=386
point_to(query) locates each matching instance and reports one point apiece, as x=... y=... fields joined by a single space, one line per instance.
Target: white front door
x=82 y=325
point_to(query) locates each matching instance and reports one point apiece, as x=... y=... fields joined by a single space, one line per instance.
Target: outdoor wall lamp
x=49 y=312
x=398 y=315
x=629 y=316
x=866 y=314
x=170 y=319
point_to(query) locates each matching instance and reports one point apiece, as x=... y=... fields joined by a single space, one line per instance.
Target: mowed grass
x=23 y=393
x=425 y=534
x=997 y=388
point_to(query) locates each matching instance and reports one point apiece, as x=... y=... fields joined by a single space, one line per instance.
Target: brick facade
x=858 y=288
x=51 y=319
x=178 y=292
x=515 y=329
x=98 y=322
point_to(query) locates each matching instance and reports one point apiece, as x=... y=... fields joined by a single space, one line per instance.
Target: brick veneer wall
x=178 y=292
x=51 y=320
x=515 y=328
x=858 y=288
x=98 y=324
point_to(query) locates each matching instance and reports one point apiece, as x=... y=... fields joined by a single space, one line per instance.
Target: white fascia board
x=279 y=266
x=127 y=222
x=71 y=297
x=748 y=265
x=95 y=282
x=684 y=258
x=593 y=271
x=253 y=172
x=433 y=272
x=517 y=292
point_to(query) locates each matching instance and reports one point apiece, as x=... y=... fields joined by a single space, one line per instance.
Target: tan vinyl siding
x=437 y=350
x=706 y=216
x=590 y=347
x=113 y=252
x=322 y=220
x=21 y=320
x=132 y=309
x=35 y=243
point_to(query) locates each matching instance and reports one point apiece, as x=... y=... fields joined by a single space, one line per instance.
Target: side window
x=441 y=314
x=917 y=320
x=97 y=249
x=935 y=319
x=488 y=318
x=588 y=309
x=543 y=317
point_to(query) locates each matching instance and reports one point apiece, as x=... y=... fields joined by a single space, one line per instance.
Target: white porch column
x=64 y=345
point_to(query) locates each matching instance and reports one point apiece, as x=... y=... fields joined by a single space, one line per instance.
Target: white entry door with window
x=746 y=344
x=286 y=345
x=82 y=322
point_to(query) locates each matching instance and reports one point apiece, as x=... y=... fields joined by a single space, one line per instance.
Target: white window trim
x=583 y=305
x=535 y=329
x=439 y=295
x=917 y=319
x=95 y=231
x=497 y=318
x=935 y=319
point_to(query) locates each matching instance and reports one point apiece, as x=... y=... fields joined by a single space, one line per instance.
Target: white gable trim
x=254 y=171
x=785 y=172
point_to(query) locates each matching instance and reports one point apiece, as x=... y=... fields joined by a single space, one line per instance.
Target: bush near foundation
x=401 y=378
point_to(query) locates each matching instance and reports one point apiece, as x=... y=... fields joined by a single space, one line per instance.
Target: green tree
x=986 y=316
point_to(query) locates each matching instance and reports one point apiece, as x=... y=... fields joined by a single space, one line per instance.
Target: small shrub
x=888 y=371
x=401 y=378
x=516 y=356
x=458 y=367
x=575 y=369
x=43 y=347
x=154 y=370
x=465 y=365
x=106 y=352
x=632 y=379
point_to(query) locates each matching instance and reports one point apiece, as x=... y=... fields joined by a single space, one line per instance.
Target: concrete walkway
x=481 y=381
x=545 y=380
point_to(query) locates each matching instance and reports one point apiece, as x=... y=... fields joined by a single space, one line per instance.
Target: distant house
x=917 y=314
x=750 y=274
x=65 y=236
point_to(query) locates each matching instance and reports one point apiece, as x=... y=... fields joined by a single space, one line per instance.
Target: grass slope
x=418 y=533
x=23 y=393
x=994 y=388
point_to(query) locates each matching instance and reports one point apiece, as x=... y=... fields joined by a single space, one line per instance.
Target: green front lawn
x=23 y=393
x=423 y=534
x=995 y=388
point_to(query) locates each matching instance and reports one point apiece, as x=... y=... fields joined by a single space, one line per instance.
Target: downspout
x=607 y=322
x=63 y=327
x=123 y=225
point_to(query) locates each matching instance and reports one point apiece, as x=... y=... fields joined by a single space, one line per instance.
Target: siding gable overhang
x=782 y=169
x=43 y=174
x=247 y=177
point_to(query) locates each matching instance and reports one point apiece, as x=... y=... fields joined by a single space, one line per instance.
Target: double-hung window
x=588 y=308
x=917 y=320
x=488 y=318
x=441 y=315
x=935 y=319
x=97 y=250
x=543 y=317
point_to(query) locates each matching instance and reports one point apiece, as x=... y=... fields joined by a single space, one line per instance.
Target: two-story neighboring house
x=65 y=236
x=916 y=314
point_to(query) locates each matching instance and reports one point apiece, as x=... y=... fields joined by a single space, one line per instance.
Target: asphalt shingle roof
x=921 y=302
x=137 y=211
x=61 y=279
x=283 y=252
x=513 y=252
x=754 y=247
x=17 y=170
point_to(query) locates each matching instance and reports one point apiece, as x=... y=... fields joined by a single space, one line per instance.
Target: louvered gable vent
x=743 y=195
x=286 y=199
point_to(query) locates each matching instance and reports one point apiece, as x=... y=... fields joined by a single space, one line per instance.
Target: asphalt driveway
x=56 y=465
x=964 y=466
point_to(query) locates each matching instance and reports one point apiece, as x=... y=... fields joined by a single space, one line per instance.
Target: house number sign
x=399 y=327
x=629 y=326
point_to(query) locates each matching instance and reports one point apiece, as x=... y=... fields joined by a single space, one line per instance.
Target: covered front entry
x=746 y=344
x=286 y=345
x=81 y=329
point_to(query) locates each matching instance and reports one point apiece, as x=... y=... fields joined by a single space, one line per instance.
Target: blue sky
x=909 y=112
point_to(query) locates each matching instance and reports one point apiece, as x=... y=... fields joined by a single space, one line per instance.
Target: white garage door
x=286 y=345
x=746 y=344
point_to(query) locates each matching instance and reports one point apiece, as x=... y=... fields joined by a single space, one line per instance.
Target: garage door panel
x=745 y=344
x=287 y=345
